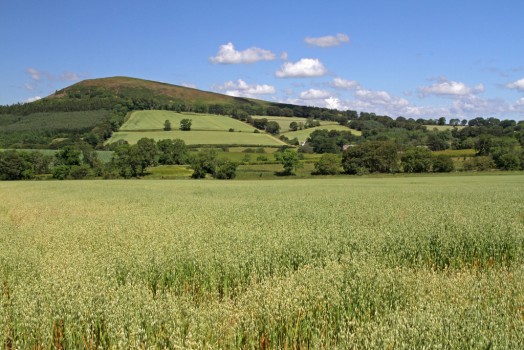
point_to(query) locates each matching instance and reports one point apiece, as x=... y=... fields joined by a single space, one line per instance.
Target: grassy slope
x=205 y=130
x=302 y=135
x=151 y=120
x=285 y=121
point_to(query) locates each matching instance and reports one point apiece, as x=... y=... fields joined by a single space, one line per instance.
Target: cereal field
x=401 y=262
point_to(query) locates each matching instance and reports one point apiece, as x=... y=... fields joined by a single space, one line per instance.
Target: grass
x=331 y=263
x=154 y=120
x=443 y=127
x=456 y=152
x=302 y=135
x=285 y=121
x=200 y=137
x=205 y=130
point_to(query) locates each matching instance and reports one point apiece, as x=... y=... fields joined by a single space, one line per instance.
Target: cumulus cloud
x=227 y=54
x=380 y=98
x=306 y=67
x=449 y=88
x=518 y=85
x=344 y=84
x=242 y=89
x=327 y=41
x=33 y=99
x=314 y=94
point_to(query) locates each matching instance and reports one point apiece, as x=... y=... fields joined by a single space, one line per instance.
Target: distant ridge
x=126 y=87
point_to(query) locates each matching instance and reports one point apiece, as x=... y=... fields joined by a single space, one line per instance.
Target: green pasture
x=154 y=120
x=302 y=135
x=426 y=262
x=443 y=127
x=285 y=121
x=200 y=137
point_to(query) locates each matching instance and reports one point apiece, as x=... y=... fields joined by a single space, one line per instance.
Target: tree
x=416 y=160
x=443 y=164
x=69 y=156
x=167 y=125
x=185 y=124
x=203 y=163
x=454 y=121
x=14 y=166
x=225 y=169
x=293 y=126
x=172 y=152
x=441 y=121
x=289 y=160
x=371 y=156
x=260 y=123
x=328 y=164
x=272 y=127
x=147 y=153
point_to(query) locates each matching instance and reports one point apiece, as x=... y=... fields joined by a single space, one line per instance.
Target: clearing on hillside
x=285 y=121
x=206 y=129
x=154 y=120
x=303 y=134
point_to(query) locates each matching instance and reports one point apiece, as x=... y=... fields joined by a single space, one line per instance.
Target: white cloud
x=188 y=85
x=228 y=55
x=327 y=41
x=241 y=89
x=473 y=106
x=306 y=67
x=29 y=86
x=314 y=94
x=33 y=99
x=518 y=85
x=39 y=76
x=333 y=103
x=34 y=73
x=520 y=101
x=344 y=84
x=450 y=88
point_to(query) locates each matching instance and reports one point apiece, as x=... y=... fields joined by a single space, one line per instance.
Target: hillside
x=133 y=88
x=39 y=124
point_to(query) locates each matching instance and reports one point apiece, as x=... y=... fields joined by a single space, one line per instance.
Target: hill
x=39 y=124
x=161 y=93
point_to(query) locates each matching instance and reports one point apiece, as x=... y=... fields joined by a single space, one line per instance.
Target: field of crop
x=402 y=262
x=200 y=137
x=154 y=120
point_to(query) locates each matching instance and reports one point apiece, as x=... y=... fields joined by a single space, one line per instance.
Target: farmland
x=302 y=135
x=154 y=120
x=205 y=130
x=331 y=263
x=200 y=137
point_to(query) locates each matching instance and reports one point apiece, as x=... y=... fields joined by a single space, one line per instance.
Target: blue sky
x=420 y=59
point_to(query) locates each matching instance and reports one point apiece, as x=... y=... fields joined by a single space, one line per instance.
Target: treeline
x=81 y=161
x=390 y=157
